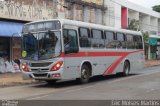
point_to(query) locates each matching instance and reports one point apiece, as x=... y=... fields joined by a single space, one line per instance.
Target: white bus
x=62 y=49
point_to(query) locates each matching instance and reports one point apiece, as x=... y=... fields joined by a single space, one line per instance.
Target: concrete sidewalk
x=15 y=79
x=151 y=63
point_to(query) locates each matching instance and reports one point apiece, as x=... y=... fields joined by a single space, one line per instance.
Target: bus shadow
x=93 y=80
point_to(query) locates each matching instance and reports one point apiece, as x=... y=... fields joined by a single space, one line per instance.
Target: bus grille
x=40 y=70
x=40 y=75
x=41 y=64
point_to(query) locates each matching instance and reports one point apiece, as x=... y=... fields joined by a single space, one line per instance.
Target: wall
x=141 y=9
x=154 y=25
x=83 y=11
x=145 y=22
x=133 y=14
x=109 y=19
x=31 y=10
x=26 y=9
x=98 y=2
x=98 y=14
x=117 y=15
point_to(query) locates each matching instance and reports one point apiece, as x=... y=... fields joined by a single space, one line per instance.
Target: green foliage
x=145 y=37
x=156 y=8
x=133 y=25
x=146 y=44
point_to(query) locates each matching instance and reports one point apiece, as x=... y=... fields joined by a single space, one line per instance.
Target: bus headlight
x=24 y=67
x=57 y=66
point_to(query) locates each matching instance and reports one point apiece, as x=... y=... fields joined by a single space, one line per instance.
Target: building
x=114 y=13
x=148 y=21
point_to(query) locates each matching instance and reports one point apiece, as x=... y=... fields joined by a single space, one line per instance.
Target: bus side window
x=121 y=40
x=110 y=39
x=138 y=42
x=70 y=41
x=84 y=37
x=129 y=42
x=97 y=40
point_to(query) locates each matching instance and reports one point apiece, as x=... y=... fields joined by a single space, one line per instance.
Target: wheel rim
x=84 y=74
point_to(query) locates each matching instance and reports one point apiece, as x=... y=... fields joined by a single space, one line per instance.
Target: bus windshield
x=41 y=46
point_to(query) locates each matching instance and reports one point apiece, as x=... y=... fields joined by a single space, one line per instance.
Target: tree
x=134 y=25
x=156 y=8
x=146 y=44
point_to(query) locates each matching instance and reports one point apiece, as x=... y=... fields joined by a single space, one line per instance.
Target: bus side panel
x=71 y=68
x=137 y=62
x=102 y=64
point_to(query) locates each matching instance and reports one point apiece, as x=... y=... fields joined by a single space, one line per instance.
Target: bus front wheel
x=85 y=74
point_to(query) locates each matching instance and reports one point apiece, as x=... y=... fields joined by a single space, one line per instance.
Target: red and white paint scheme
x=61 y=49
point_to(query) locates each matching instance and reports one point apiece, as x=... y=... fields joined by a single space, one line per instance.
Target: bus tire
x=126 y=68
x=85 y=74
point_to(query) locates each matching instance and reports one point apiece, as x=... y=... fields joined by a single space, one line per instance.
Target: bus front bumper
x=42 y=76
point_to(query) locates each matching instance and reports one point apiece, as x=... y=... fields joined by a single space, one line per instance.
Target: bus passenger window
x=97 y=40
x=84 y=37
x=110 y=42
x=138 y=42
x=129 y=42
x=121 y=40
x=70 y=41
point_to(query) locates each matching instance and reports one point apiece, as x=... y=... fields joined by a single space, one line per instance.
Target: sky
x=146 y=3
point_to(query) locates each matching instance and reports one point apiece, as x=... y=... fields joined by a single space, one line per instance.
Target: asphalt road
x=143 y=85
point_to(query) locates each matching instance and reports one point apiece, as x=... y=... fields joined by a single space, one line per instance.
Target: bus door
x=71 y=49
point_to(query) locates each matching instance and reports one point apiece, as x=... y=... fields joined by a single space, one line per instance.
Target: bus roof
x=89 y=25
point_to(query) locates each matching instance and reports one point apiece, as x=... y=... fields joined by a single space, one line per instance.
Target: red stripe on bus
x=113 y=66
x=94 y=54
x=97 y=54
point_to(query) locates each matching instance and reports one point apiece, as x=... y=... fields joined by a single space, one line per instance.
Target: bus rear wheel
x=85 y=74
x=126 y=68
